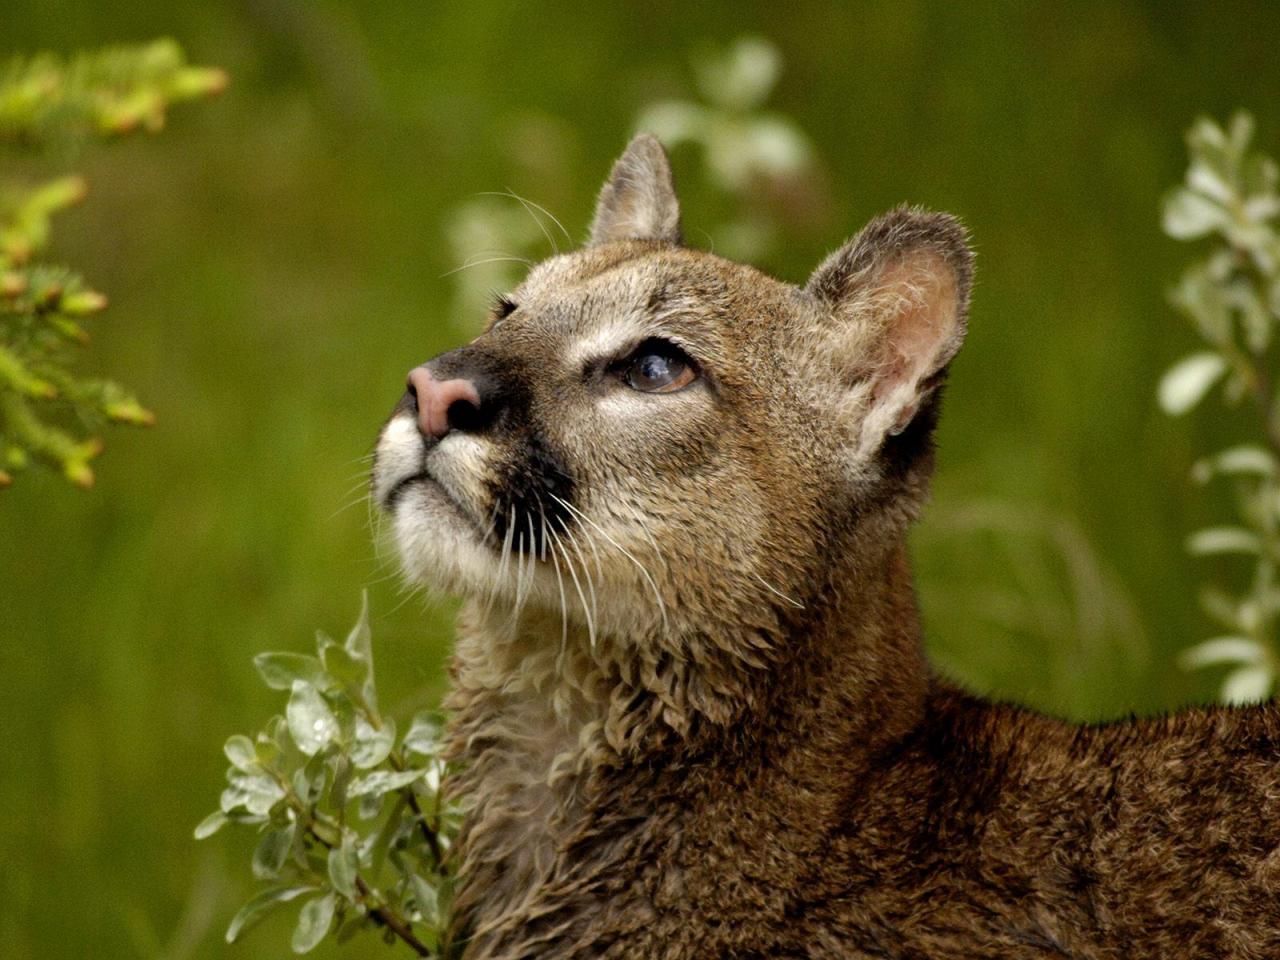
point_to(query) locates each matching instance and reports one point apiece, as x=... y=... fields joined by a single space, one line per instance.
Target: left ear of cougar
x=898 y=293
x=638 y=201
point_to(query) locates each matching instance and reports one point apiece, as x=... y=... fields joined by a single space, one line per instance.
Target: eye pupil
x=654 y=368
x=658 y=367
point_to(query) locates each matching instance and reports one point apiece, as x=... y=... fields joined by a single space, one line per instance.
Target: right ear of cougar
x=638 y=201
x=898 y=299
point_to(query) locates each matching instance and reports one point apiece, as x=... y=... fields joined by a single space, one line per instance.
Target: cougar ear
x=898 y=293
x=638 y=201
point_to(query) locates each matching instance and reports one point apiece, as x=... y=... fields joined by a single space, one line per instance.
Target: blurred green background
x=278 y=258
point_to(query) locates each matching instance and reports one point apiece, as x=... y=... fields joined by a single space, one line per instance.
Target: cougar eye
x=658 y=367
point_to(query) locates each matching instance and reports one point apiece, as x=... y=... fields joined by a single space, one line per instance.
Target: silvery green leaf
x=266 y=750
x=674 y=121
x=1215 y=540
x=257 y=908
x=383 y=781
x=370 y=805
x=1239 y=133
x=426 y=901
x=305 y=784
x=261 y=794
x=280 y=670
x=1234 y=461
x=426 y=734
x=359 y=645
x=240 y=751
x=374 y=848
x=211 y=825
x=1206 y=135
x=1261 y=208
x=1186 y=383
x=1255 y=321
x=444 y=899
x=314 y=921
x=311 y=723
x=344 y=711
x=277 y=731
x=1247 y=685
x=372 y=745
x=1221 y=650
x=342 y=771
x=1199 y=295
x=344 y=865
x=431 y=779
x=345 y=668
x=1210 y=181
x=1189 y=215
x=272 y=851
x=309 y=781
x=741 y=77
x=232 y=798
x=778 y=148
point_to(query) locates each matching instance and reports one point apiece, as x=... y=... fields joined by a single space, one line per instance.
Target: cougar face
x=649 y=439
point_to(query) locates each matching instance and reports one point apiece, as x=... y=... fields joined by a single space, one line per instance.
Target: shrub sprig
x=351 y=814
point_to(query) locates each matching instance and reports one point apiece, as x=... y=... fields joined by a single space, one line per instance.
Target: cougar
x=690 y=699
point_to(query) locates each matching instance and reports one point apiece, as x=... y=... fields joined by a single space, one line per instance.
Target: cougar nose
x=443 y=405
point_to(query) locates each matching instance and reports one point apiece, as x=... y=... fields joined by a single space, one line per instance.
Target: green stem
x=397 y=761
x=329 y=836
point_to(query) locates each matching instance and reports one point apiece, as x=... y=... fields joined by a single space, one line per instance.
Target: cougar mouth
x=435 y=489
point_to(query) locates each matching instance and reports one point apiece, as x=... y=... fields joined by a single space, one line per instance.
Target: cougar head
x=651 y=440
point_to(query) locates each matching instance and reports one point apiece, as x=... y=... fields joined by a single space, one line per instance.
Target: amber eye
x=658 y=367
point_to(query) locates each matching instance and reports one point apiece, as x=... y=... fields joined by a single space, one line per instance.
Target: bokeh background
x=280 y=256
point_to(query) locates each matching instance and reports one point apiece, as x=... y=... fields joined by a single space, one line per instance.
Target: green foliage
x=45 y=409
x=350 y=815
x=748 y=151
x=1232 y=298
x=748 y=154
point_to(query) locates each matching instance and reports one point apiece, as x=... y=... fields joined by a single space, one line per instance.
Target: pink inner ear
x=921 y=324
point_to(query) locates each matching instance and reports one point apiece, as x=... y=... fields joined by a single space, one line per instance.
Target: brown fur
x=693 y=707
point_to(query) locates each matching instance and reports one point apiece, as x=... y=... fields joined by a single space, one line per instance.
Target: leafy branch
x=349 y=815
x=1232 y=298
x=45 y=409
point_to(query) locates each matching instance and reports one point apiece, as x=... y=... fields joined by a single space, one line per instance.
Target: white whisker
x=662 y=607
x=537 y=206
x=477 y=263
x=582 y=597
x=593 y=615
x=564 y=606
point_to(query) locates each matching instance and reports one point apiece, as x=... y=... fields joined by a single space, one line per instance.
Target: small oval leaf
x=272 y=851
x=311 y=723
x=240 y=751
x=383 y=781
x=344 y=864
x=1247 y=685
x=1215 y=540
x=1221 y=650
x=211 y=825
x=258 y=908
x=1186 y=383
x=314 y=921
x=280 y=670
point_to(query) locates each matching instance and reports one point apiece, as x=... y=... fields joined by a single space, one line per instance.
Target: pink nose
x=436 y=397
